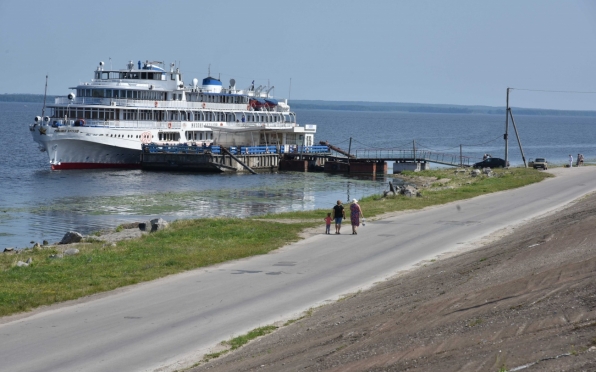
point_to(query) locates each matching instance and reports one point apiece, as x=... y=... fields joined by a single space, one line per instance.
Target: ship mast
x=43 y=109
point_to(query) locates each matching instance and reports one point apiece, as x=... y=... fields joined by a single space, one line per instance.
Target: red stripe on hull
x=63 y=166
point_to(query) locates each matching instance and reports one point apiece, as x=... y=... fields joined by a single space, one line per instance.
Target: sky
x=437 y=52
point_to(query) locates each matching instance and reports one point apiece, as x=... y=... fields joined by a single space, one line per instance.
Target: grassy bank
x=191 y=244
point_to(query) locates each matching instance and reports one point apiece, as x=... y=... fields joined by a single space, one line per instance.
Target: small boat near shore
x=103 y=123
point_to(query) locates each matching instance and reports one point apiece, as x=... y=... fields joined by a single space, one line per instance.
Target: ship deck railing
x=175 y=125
x=151 y=104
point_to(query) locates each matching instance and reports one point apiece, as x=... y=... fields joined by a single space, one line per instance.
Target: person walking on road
x=570 y=161
x=355 y=215
x=338 y=214
x=328 y=224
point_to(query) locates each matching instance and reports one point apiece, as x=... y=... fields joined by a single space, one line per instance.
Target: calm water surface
x=39 y=204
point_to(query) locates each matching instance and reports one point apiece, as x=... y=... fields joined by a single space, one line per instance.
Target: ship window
x=108 y=93
x=105 y=75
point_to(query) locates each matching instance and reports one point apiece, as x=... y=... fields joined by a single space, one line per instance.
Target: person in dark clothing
x=338 y=214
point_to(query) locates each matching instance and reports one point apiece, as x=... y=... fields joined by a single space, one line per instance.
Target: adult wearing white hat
x=355 y=215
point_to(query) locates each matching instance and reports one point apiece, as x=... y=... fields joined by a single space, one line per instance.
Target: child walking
x=328 y=224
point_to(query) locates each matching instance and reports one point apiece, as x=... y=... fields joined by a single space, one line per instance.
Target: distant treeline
x=428 y=108
x=359 y=106
x=24 y=98
x=370 y=106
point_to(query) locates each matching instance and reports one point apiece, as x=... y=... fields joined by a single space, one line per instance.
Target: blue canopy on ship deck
x=211 y=81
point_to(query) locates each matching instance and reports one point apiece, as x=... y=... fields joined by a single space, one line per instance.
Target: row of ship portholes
x=122 y=136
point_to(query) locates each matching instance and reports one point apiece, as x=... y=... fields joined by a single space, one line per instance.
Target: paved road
x=171 y=322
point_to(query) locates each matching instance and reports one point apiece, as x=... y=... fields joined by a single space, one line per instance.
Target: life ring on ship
x=204 y=105
x=169 y=125
x=155 y=103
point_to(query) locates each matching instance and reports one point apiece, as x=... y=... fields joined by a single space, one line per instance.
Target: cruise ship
x=104 y=123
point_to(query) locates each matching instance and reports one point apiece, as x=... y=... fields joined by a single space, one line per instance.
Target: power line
x=555 y=91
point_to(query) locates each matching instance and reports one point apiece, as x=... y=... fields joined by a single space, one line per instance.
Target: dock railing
x=411 y=155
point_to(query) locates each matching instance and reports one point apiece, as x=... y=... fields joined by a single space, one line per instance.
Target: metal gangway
x=401 y=155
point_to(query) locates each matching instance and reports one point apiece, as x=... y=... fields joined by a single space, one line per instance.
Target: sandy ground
x=526 y=301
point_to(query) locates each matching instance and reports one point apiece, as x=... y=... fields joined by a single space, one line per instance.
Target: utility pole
x=349 y=150
x=518 y=140
x=506 y=135
x=461 y=158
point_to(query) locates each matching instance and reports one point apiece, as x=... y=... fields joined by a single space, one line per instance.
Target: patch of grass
x=239 y=341
x=119 y=228
x=307 y=314
x=208 y=357
x=475 y=322
x=186 y=245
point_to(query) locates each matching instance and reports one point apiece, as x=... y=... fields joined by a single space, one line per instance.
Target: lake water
x=39 y=204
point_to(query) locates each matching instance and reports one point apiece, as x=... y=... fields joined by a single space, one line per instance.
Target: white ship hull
x=85 y=149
